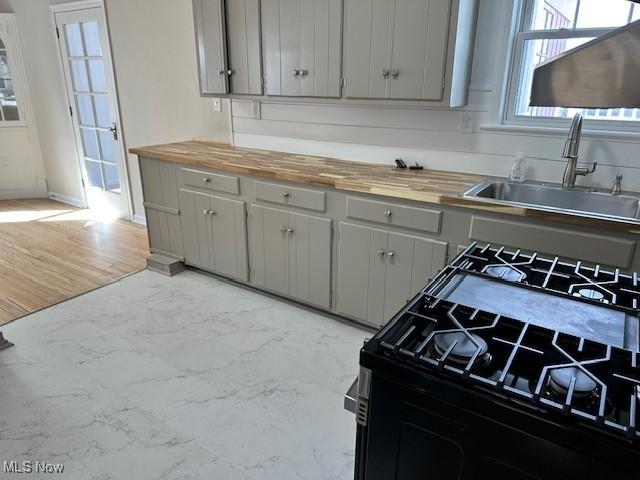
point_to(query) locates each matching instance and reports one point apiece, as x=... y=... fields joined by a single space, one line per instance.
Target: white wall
x=433 y=136
x=153 y=47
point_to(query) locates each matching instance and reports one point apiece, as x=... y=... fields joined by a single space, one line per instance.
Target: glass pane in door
x=94 y=175
x=103 y=117
x=90 y=143
x=8 y=104
x=98 y=79
x=108 y=147
x=91 y=39
x=111 y=179
x=74 y=40
x=85 y=110
x=79 y=75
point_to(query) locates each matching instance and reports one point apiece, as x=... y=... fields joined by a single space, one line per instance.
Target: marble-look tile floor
x=179 y=378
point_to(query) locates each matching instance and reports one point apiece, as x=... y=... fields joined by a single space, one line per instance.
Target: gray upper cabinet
x=214 y=233
x=291 y=254
x=211 y=45
x=228 y=46
x=243 y=46
x=378 y=271
x=409 y=49
x=396 y=48
x=302 y=47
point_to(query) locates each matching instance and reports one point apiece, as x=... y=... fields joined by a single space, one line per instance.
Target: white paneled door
x=86 y=62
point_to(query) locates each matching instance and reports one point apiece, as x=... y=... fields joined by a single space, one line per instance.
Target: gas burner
x=463 y=346
x=591 y=294
x=505 y=272
x=560 y=383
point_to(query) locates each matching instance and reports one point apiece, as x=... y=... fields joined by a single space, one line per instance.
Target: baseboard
x=22 y=193
x=141 y=219
x=69 y=200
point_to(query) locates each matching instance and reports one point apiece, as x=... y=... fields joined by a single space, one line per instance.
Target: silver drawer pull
x=388 y=213
x=221 y=72
x=303 y=72
x=289 y=230
x=391 y=254
x=381 y=253
x=208 y=212
x=385 y=73
x=212 y=212
x=206 y=179
x=395 y=73
x=286 y=194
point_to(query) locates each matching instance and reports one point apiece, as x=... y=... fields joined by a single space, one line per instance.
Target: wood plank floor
x=50 y=252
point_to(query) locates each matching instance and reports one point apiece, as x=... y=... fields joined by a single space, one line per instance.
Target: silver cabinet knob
x=381 y=253
x=205 y=212
x=230 y=72
x=206 y=179
x=385 y=73
x=221 y=72
x=283 y=229
x=290 y=230
x=296 y=72
x=286 y=194
x=303 y=72
x=395 y=73
x=212 y=212
x=391 y=254
x=388 y=213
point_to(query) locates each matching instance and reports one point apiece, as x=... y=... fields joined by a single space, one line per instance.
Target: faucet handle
x=593 y=167
x=617 y=185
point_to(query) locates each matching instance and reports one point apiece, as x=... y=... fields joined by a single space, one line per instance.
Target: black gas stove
x=507 y=365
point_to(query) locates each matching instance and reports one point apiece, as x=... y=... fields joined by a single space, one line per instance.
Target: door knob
x=381 y=253
x=303 y=72
x=391 y=254
x=230 y=72
x=296 y=72
x=388 y=213
x=289 y=230
x=114 y=130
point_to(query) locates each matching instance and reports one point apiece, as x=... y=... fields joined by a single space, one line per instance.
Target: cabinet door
x=361 y=272
x=243 y=46
x=411 y=261
x=269 y=248
x=420 y=33
x=197 y=231
x=309 y=258
x=367 y=47
x=302 y=40
x=229 y=229
x=210 y=41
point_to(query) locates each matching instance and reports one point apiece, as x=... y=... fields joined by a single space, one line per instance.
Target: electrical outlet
x=466 y=122
x=217 y=105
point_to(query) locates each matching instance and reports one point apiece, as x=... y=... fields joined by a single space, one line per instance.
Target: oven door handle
x=351 y=397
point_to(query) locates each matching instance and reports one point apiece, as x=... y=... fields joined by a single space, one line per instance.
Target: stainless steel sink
x=551 y=197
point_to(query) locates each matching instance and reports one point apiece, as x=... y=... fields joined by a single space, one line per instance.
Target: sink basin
x=554 y=198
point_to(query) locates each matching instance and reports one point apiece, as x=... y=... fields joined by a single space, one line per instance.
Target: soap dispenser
x=518 y=169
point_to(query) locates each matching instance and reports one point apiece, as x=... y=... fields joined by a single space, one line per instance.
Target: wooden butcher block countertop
x=432 y=186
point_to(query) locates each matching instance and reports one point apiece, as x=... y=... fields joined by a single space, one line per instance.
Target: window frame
x=523 y=13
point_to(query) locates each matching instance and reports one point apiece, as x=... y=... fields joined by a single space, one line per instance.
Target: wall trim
x=68 y=199
x=22 y=193
x=140 y=219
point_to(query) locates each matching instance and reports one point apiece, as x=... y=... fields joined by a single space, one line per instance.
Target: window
x=548 y=28
x=8 y=104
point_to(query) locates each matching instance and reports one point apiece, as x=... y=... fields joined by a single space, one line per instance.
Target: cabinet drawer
x=211 y=181
x=415 y=218
x=292 y=196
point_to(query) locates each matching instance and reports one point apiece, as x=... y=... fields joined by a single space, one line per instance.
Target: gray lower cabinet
x=291 y=254
x=378 y=270
x=214 y=234
x=159 y=185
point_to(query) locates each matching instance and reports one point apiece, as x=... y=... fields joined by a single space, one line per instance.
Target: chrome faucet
x=617 y=186
x=570 y=152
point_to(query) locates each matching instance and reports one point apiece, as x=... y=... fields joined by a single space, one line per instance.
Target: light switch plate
x=217 y=105
x=466 y=122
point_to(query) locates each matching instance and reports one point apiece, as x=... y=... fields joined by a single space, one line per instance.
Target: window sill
x=633 y=137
